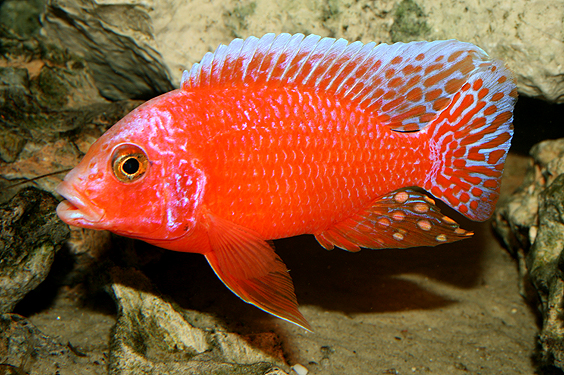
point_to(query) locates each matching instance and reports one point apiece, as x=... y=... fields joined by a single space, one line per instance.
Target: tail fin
x=469 y=141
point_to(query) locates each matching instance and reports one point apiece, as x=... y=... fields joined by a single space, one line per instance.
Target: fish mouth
x=75 y=210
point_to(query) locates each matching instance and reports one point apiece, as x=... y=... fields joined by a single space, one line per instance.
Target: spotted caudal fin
x=469 y=141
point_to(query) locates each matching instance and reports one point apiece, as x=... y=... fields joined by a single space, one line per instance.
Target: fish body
x=287 y=135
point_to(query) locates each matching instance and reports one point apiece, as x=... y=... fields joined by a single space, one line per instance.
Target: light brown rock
x=136 y=47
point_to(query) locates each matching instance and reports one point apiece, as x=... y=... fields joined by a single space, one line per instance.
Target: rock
x=154 y=336
x=31 y=234
x=10 y=145
x=24 y=349
x=116 y=41
x=546 y=269
x=51 y=110
x=527 y=35
x=37 y=159
x=137 y=48
x=44 y=91
x=21 y=17
x=531 y=224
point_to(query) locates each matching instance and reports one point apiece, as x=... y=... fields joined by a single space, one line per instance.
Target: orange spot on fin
x=400 y=219
x=251 y=269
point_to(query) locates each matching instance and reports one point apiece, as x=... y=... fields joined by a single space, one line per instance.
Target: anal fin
x=252 y=270
x=403 y=218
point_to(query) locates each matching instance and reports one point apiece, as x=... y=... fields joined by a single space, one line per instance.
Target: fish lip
x=75 y=209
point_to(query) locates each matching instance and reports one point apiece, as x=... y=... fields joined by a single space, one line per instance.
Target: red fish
x=285 y=135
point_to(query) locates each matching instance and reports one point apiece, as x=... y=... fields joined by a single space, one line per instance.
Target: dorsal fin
x=405 y=84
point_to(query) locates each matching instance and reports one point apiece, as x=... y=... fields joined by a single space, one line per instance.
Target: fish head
x=134 y=181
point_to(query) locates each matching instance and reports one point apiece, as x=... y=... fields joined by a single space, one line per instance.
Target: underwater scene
x=281 y=187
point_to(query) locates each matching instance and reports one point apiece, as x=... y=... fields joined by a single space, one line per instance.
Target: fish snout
x=76 y=209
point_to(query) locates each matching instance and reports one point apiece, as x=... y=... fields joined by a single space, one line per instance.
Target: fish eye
x=129 y=163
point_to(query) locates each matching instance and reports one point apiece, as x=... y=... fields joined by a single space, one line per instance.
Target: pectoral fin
x=252 y=270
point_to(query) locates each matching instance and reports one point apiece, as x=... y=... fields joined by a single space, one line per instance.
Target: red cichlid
x=285 y=135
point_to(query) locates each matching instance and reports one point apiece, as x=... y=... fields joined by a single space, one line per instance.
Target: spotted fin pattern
x=405 y=85
x=403 y=218
x=469 y=142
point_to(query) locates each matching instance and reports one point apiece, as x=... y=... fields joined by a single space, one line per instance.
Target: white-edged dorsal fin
x=405 y=84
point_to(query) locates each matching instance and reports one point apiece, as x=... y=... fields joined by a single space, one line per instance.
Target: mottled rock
x=50 y=107
x=24 y=349
x=153 y=336
x=546 y=269
x=21 y=17
x=531 y=224
x=31 y=233
x=410 y=22
x=116 y=40
x=21 y=342
x=11 y=144
x=137 y=48
x=527 y=35
x=44 y=91
x=37 y=159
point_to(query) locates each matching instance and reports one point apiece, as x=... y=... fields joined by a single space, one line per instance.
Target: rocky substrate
x=531 y=224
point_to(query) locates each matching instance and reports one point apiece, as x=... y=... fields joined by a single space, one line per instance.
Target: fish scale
x=289 y=134
x=338 y=161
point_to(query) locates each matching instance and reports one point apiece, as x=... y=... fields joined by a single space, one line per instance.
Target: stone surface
x=24 y=349
x=116 y=40
x=531 y=224
x=30 y=235
x=147 y=44
x=50 y=107
x=527 y=35
x=546 y=269
x=153 y=336
x=44 y=91
x=21 y=17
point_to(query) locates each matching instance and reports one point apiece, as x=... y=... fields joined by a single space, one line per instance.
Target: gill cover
x=184 y=191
